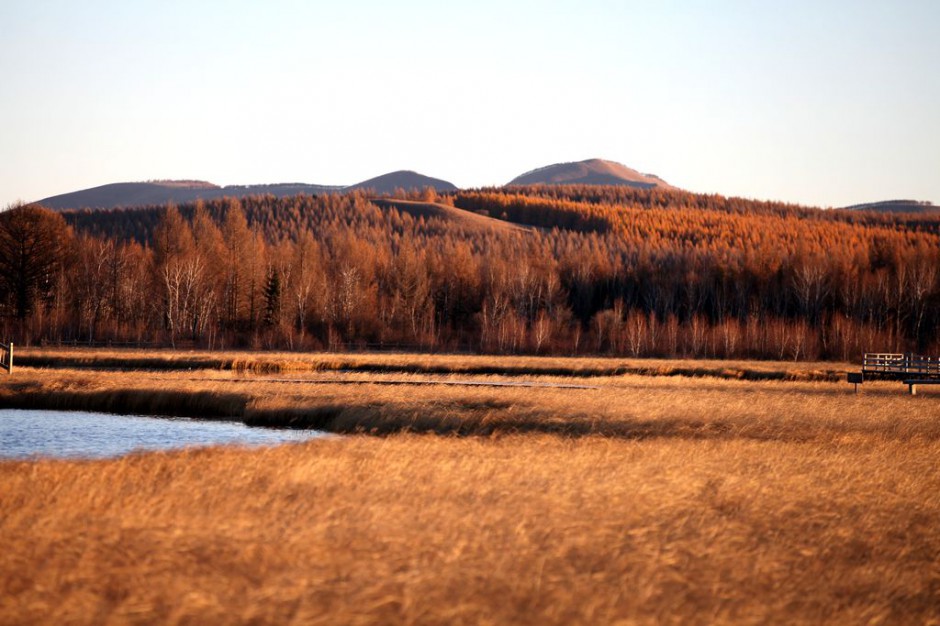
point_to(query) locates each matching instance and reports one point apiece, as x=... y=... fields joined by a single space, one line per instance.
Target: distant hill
x=124 y=195
x=402 y=179
x=590 y=172
x=896 y=206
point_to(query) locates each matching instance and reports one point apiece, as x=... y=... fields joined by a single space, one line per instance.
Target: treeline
x=606 y=270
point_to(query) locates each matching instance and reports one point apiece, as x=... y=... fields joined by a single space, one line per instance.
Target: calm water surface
x=75 y=434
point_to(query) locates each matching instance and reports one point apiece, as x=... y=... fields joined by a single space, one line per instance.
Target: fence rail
x=6 y=357
x=886 y=365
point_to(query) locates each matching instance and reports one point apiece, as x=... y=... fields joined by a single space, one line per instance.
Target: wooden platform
x=884 y=366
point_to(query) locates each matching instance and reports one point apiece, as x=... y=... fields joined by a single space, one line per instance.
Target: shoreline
x=398 y=400
x=266 y=362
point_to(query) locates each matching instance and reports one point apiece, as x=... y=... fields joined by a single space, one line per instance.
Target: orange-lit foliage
x=602 y=269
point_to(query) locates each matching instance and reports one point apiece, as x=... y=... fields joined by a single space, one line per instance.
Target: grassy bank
x=622 y=406
x=376 y=363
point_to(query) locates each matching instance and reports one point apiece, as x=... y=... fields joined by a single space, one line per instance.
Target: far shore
x=382 y=393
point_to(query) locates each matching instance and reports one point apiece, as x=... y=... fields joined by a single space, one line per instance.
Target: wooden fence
x=900 y=366
x=6 y=357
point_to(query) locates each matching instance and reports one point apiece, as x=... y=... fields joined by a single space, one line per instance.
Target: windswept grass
x=647 y=500
x=521 y=529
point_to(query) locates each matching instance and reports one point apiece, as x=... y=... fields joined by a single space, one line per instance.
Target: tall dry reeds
x=641 y=500
x=522 y=529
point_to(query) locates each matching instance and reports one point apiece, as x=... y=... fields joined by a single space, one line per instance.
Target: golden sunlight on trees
x=608 y=270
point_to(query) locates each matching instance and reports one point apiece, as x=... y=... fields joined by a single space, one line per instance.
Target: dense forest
x=539 y=270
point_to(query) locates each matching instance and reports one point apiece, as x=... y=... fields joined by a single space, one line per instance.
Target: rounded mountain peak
x=590 y=172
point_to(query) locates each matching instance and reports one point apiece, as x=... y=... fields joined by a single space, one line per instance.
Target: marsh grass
x=528 y=529
x=632 y=407
x=648 y=500
x=377 y=363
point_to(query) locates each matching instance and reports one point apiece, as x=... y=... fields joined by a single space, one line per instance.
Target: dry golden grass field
x=641 y=499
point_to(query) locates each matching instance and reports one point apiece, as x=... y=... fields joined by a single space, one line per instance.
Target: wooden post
x=10 y=359
x=912 y=387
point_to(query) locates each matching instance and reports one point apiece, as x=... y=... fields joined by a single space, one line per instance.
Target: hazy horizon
x=826 y=105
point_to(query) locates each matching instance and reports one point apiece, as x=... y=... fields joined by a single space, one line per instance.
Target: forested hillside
x=607 y=270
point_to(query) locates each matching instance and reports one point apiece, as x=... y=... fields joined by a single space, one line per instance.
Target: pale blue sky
x=822 y=103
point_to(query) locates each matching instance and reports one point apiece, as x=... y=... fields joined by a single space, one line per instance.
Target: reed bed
x=526 y=529
x=383 y=404
x=646 y=500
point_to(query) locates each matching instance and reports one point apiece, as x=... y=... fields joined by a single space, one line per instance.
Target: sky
x=825 y=103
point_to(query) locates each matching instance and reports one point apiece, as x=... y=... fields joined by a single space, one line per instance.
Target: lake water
x=76 y=434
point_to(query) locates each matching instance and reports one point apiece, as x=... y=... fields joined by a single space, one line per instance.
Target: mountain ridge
x=896 y=206
x=402 y=179
x=154 y=192
x=134 y=194
x=590 y=172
